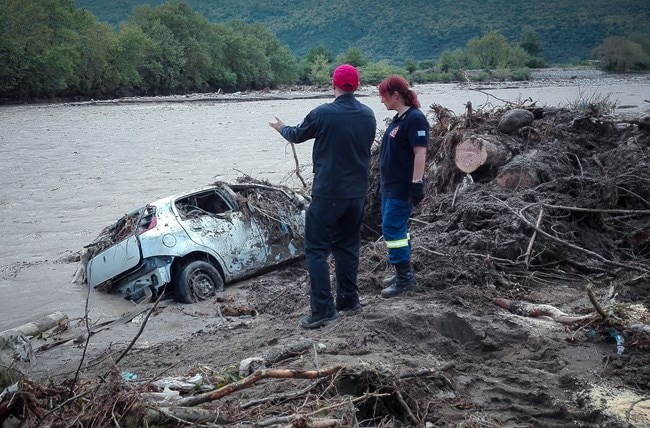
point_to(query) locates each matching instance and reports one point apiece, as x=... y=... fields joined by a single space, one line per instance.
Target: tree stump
x=522 y=172
x=475 y=152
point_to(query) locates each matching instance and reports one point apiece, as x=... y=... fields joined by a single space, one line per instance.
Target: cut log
x=475 y=152
x=522 y=172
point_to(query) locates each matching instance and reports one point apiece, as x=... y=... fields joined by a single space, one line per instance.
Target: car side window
x=210 y=203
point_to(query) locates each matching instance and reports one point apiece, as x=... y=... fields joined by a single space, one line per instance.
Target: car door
x=119 y=257
x=229 y=233
x=113 y=261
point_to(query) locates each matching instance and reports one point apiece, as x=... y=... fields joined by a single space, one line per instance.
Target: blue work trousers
x=332 y=226
x=395 y=214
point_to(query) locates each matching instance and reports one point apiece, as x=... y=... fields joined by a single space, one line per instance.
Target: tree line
x=50 y=49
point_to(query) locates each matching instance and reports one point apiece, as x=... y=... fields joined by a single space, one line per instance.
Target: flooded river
x=68 y=170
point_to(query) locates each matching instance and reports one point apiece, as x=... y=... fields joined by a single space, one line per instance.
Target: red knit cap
x=346 y=77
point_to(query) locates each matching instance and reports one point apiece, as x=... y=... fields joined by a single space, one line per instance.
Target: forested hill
x=418 y=29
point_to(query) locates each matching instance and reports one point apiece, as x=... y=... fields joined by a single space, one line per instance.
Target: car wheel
x=197 y=281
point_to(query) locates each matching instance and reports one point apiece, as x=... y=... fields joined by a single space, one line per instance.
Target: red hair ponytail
x=396 y=83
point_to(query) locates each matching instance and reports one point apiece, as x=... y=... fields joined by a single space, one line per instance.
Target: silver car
x=194 y=243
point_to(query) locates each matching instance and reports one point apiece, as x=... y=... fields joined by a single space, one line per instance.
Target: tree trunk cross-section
x=475 y=152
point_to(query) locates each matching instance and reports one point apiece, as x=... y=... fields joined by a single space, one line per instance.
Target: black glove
x=417 y=193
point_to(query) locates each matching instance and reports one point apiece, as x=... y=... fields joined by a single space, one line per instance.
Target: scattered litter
x=619 y=341
x=128 y=376
x=184 y=384
x=167 y=396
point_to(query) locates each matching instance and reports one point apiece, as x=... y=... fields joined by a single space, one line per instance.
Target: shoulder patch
x=422 y=133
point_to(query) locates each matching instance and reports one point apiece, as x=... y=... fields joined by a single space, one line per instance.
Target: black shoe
x=319 y=320
x=347 y=310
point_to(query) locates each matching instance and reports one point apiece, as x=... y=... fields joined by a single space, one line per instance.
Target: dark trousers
x=332 y=226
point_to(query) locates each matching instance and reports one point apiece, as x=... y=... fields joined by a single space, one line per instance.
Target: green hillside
x=418 y=29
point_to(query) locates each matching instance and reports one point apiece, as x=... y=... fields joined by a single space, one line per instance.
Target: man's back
x=341 y=154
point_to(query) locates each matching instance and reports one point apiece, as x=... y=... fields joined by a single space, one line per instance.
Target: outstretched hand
x=277 y=124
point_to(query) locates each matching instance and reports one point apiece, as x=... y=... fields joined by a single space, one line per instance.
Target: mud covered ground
x=502 y=332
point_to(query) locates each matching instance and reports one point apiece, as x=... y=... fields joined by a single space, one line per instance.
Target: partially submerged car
x=192 y=244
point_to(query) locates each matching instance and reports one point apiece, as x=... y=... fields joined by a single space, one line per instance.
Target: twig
x=592 y=299
x=492 y=258
x=115 y=421
x=400 y=398
x=506 y=102
x=286 y=396
x=595 y=210
x=144 y=323
x=427 y=372
x=582 y=327
x=69 y=400
x=415 y=220
x=88 y=334
x=629 y=411
x=316 y=363
x=286 y=419
x=432 y=252
x=295 y=158
x=532 y=239
x=453 y=200
x=273 y=299
x=634 y=194
x=253 y=378
x=570 y=245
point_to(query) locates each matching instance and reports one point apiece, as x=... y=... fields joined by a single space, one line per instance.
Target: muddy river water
x=68 y=170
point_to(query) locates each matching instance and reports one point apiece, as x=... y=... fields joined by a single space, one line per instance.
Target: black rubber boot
x=404 y=281
x=389 y=281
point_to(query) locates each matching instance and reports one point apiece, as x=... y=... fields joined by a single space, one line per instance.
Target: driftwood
x=248 y=365
x=32 y=328
x=252 y=379
x=540 y=310
x=479 y=151
x=301 y=421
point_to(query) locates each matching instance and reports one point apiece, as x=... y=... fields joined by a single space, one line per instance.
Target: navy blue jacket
x=344 y=131
x=396 y=157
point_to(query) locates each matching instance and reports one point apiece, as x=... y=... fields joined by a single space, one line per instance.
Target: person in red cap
x=343 y=132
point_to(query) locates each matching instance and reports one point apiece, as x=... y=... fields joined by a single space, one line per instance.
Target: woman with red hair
x=401 y=172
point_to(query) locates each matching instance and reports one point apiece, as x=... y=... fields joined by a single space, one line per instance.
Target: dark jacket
x=344 y=131
x=396 y=157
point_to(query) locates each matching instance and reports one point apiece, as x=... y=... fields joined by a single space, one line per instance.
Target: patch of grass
x=593 y=101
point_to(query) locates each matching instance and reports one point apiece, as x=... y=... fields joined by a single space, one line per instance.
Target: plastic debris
x=185 y=384
x=167 y=396
x=128 y=376
x=620 y=342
